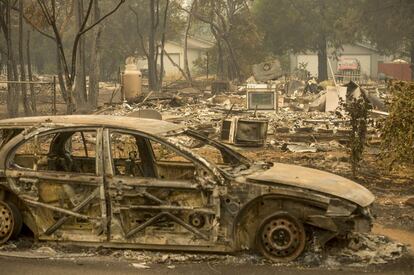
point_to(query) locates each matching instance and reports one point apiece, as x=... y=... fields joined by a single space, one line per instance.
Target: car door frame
x=32 y=177
x=110 y=179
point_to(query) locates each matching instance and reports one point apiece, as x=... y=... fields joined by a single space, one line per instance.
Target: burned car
x=148 y=184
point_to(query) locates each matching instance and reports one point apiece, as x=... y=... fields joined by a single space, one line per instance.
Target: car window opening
x=222 y=156
x=73 y=152
x=136 y=156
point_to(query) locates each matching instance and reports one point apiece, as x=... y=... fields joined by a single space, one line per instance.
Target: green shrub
x=398 y=129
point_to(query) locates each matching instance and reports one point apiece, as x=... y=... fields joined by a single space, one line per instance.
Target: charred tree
x=162 y=47
x=80 y=85
x=94 y=67
x=61 y=77
x=30 y=75
x=152 y=62
x=12 y=73
x=69 y=71
x=23 y=87
x=152 y=42
x=3 y=57
x=187 y=30
x=220 y=16
x=322 y=60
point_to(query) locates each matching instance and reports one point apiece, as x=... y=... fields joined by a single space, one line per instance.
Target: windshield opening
x=215 y=152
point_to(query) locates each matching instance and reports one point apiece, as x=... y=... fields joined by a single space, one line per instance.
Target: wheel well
x=253 y=213
x=28 y=220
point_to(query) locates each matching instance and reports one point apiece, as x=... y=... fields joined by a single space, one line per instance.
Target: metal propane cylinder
x=132 y=82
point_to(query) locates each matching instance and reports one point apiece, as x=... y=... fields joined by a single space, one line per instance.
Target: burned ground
x=304 y=146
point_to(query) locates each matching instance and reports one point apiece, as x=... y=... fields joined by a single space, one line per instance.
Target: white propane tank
x=132 y=82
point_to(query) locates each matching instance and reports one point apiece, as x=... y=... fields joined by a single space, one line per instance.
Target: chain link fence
x=46 y=99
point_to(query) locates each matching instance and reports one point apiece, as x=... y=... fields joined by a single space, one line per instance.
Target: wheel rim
x=282 y=238
x=6 y=222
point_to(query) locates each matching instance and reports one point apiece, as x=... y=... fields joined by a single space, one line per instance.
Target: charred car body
x=140 y=183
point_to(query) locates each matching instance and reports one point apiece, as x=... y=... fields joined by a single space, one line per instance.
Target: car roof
x=149 y=126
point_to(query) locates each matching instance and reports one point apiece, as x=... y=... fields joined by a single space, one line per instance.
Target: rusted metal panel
x=316 y=180
x=148 y=126
x=398 y=71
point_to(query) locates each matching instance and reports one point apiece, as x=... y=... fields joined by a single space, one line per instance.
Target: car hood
x=316 y=180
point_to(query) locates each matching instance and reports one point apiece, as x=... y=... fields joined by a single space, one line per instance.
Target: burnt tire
x=281 y=237
x=10 y=221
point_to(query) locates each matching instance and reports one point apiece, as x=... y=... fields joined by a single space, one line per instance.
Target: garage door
x=364 y=60
x=311 y=61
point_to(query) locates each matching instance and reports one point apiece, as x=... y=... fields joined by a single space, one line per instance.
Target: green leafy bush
x=398 y=129
x=357 y=109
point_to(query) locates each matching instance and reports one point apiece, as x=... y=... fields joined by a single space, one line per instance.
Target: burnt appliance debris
x=262 y=97
x=269 y=70
x=244 y=131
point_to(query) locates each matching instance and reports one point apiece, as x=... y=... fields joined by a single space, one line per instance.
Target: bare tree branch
x=164 y=30
x=175 y=64
x=68 y=18
x=141 y=37
x=52 y=22
x=202 y=18
x=77 y=38
x=103 y=17
x=28 y=21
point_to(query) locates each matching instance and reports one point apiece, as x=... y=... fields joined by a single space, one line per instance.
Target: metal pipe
x=167 y=207
x=186 y=226
x=77 y=208
x=145 y=224
x=57 y=209
x=152 y=197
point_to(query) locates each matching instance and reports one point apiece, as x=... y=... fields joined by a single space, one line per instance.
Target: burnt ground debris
x=328 y=153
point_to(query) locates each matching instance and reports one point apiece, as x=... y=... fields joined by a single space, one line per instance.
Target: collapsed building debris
x=355 y=91
x=270 y=70
x=146 y=113
x=300 y=117
x=305 y=131
x=218 y=87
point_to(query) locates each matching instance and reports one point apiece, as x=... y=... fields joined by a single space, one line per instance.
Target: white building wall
x=312 y=63
x=368 y=58
x=176 y=52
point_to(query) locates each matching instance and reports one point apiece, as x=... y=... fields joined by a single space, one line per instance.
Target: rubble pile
x=362 y=250
x=295 y=126
x=303 y=121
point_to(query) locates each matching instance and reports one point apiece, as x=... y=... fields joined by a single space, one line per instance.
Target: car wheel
x=281 y=237
x=10 y=221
